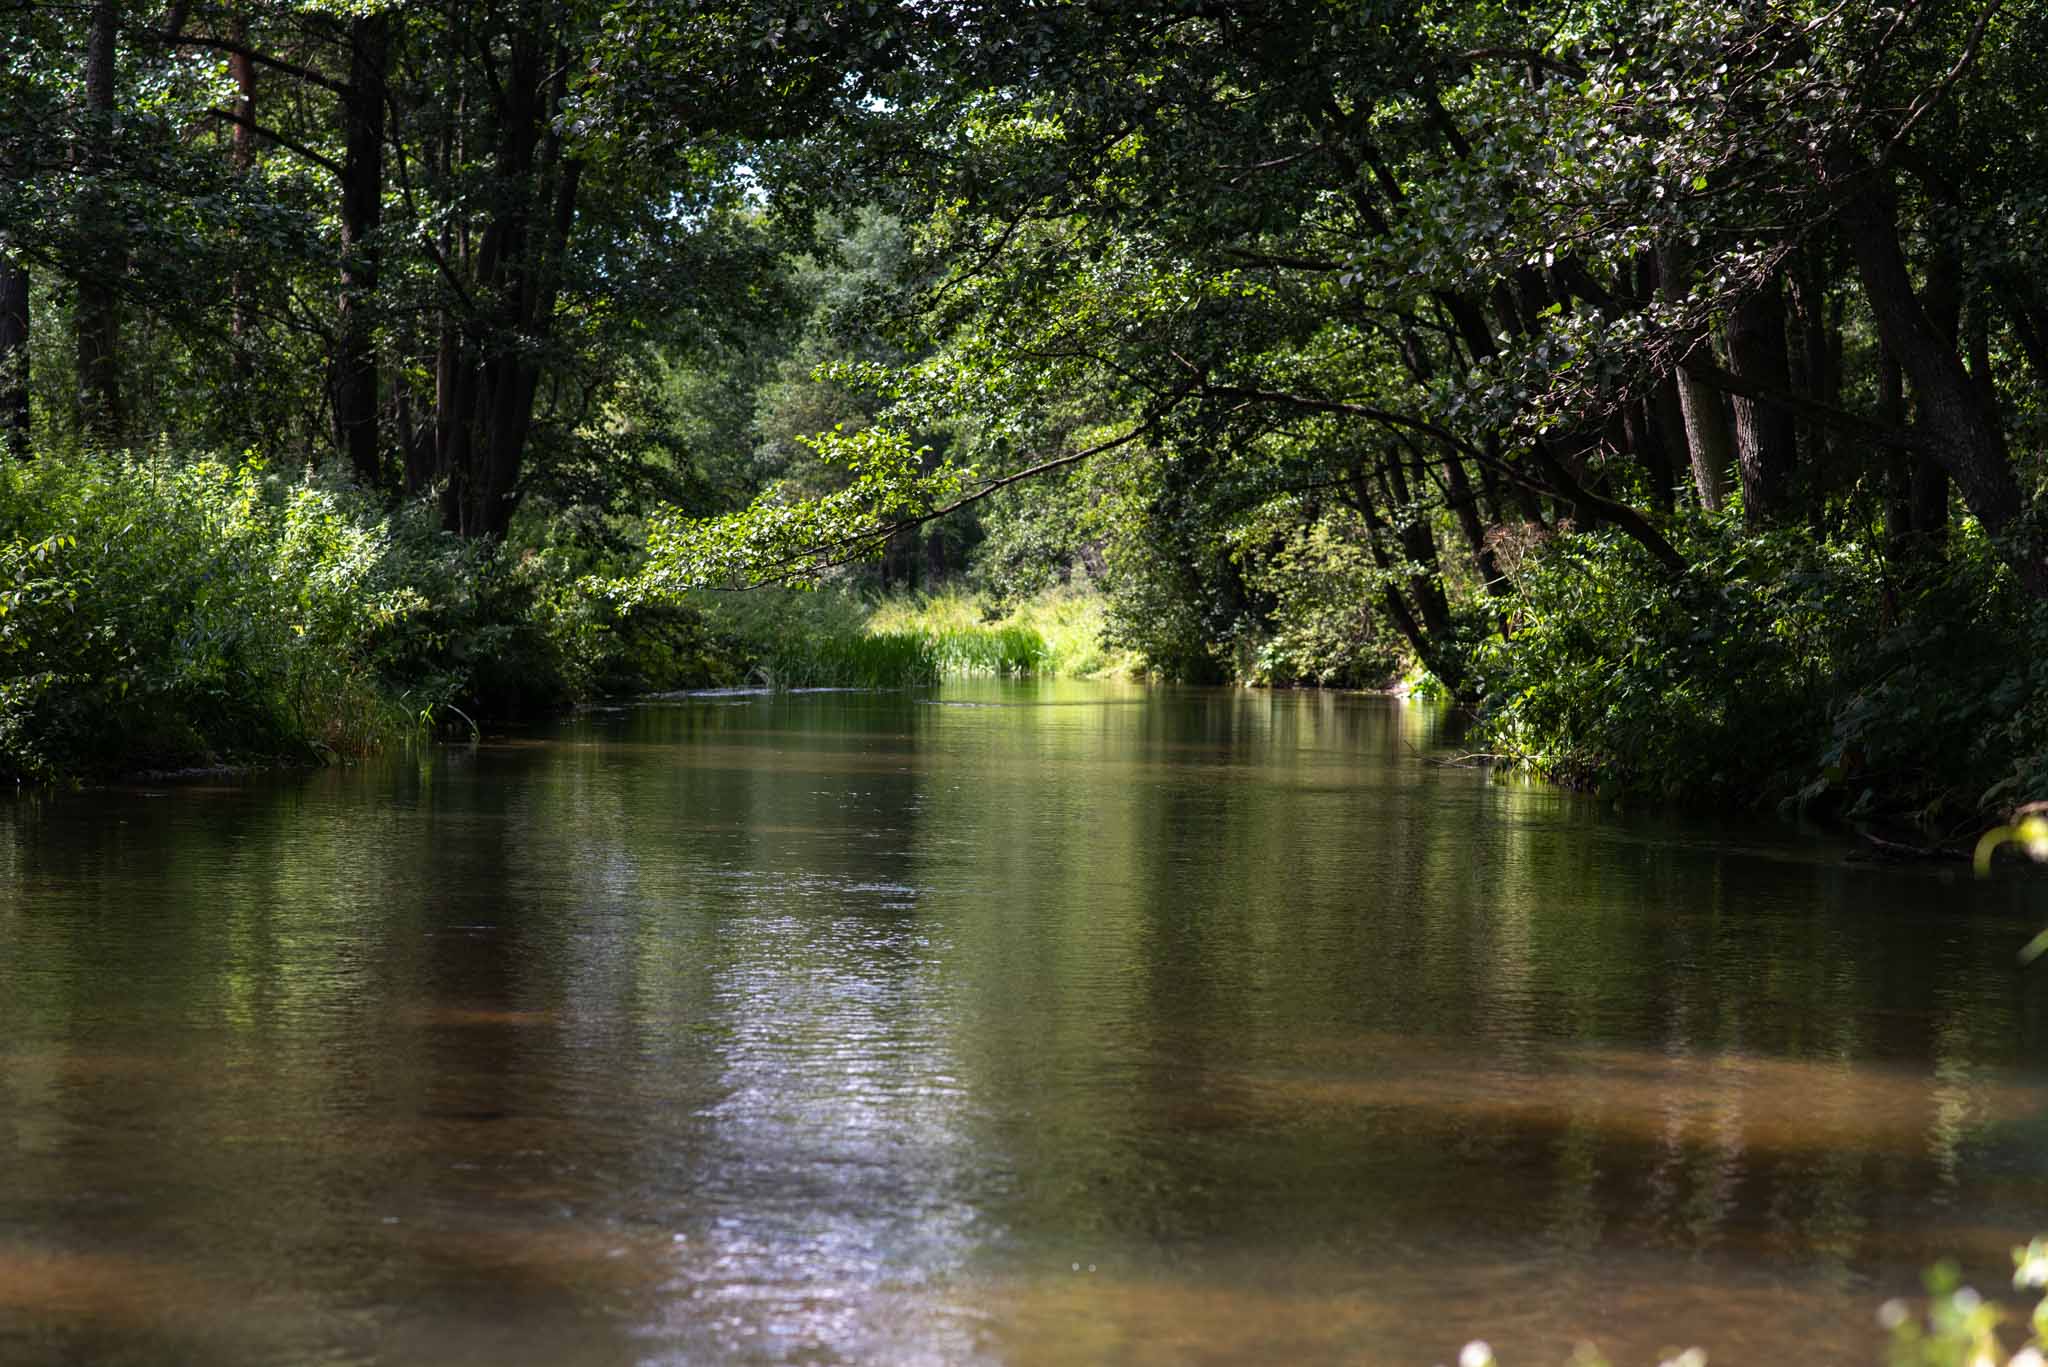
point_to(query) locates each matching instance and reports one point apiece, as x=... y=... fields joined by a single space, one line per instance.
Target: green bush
x=158 y=612
x=1620 y=675
x=1325 y=628
x=1776 y=669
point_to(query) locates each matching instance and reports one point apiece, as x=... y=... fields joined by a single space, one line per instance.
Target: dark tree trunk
x=1667 y=416
x=1816 y=369
x=1960 y=429
x=2029 y=322
x=1930 y=505
x=1418 y=545
x=1464 y=503
x=1663 y=417
x=98 y=322
x=14 y=357
x=1431 y=648
x=362 y=197
x=1766 y=435
x=1898 y=481
x=489 y=366
x=1494 y=499
x=1646 y=442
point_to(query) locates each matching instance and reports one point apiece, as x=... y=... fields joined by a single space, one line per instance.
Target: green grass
x=787 y=639
x=835 y=639
x=1056 y=635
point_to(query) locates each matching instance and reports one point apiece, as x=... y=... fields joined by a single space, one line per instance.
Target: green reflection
x=860 y=1026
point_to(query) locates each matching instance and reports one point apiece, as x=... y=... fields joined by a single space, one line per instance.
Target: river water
x=1016 y=1024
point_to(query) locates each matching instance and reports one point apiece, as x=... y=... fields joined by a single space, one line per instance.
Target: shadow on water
x=1017 y=1024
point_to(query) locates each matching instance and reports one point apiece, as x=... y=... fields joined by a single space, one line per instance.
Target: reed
x=1057 y=635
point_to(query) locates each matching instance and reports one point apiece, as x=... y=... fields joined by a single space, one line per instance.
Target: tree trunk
x=362 y=196
x=1464 y=503
x=98 y=321
x=1667 y=415
x=1960 y=429
x=489 y=366
x=1898 y=502
x=1646 y=441
x=1430 y=648
x=2029 y=322
x=1816 y=369
x=14 y=357
x=1418 y=545
x=1929 y=505
x=1766 y=435
x=1709 y=446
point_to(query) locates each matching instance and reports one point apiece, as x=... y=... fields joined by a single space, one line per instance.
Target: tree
x=1472 y=278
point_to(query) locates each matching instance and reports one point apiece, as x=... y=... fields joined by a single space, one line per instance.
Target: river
x=1016 y=1024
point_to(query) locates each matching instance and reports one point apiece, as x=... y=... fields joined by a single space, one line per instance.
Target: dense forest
x=1662 y=381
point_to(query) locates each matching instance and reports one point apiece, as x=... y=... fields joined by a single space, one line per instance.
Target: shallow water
x=1016 y=1025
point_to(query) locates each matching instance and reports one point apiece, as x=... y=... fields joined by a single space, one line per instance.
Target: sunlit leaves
x=777 y=539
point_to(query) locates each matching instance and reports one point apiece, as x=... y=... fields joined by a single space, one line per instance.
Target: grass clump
x=1058 y=634
x=834 y=638
x=783 y=638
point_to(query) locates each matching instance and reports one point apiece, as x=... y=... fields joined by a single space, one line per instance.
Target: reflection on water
x=1016 y=1025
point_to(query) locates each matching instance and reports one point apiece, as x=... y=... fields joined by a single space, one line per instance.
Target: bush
x=156 y=612
x=1622 y=676
x=1776 y=669
x=1324 y=627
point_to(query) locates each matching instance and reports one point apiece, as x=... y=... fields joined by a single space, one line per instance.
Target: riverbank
x=161 y=614
x=1779 y=671
x=164 y=613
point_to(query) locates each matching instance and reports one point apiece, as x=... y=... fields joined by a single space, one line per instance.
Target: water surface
x=1013 y=1025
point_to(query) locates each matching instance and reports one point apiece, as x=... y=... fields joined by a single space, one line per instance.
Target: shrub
x=169 y=613
x=1714 y=684
x=1774 y=669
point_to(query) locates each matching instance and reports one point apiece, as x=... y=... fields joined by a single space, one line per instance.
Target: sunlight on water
x=1015 y=1025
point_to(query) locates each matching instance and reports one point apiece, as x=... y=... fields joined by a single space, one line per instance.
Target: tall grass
x=1057 y=635
x=786 y=639
x=835 y=639
x=894 y=659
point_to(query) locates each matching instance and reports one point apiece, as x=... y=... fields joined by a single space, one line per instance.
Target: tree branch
x=1356 y=410
x=1933 y=93
x=845 y=550
x=328 y=164
x=303 y=73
